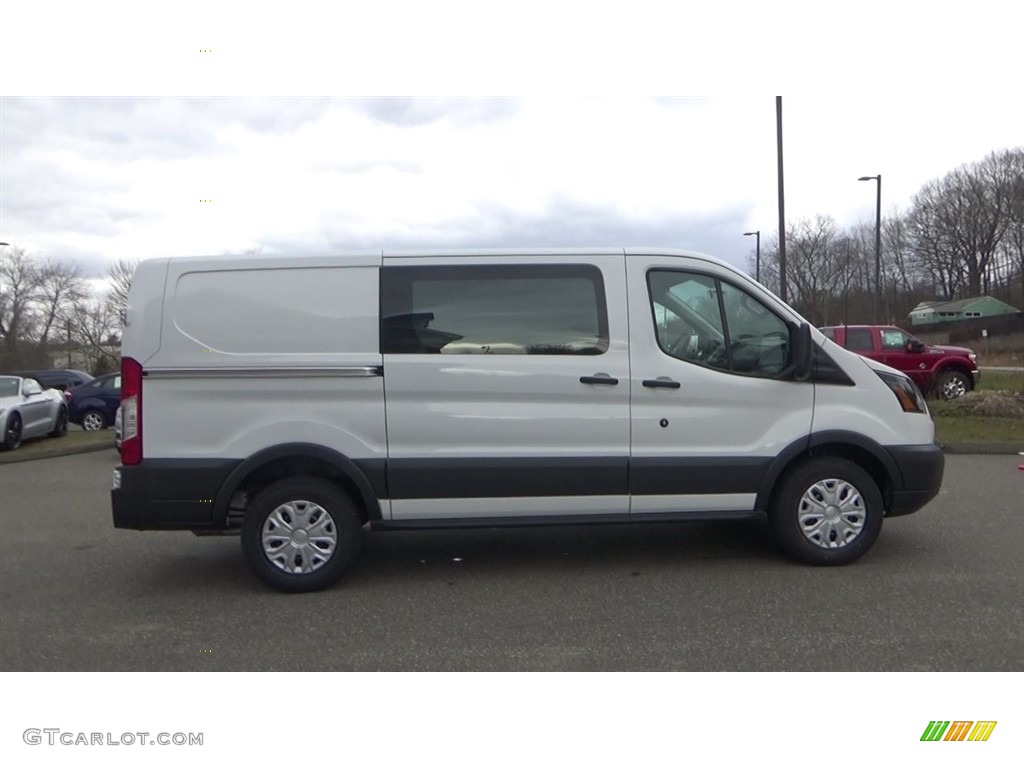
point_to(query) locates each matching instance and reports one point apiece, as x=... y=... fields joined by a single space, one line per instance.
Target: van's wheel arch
x=300 y=534
x=827 y=511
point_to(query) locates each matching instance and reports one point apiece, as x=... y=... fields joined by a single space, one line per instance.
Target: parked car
x=498 y=388
x=27 y=410
x=117 y=429
x=57 y=378
x=93 y=405
x=947 y=372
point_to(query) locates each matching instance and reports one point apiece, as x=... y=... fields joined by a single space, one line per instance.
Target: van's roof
x=322 y=259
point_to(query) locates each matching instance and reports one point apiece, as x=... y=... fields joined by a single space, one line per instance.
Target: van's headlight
x=910 y=397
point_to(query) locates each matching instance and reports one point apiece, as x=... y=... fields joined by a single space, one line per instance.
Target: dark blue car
x=93 y=405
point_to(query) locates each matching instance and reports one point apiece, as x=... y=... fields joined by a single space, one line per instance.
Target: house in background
x=951 y=311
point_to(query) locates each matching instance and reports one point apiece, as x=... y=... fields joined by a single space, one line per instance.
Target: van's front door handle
x=603 y=378
x=665 y=383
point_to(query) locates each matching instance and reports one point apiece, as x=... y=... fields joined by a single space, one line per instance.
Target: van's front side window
x=542 y=309
x=701 y=319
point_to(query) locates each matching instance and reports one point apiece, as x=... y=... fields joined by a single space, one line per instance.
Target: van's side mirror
x=914 y=346
x=802 y=346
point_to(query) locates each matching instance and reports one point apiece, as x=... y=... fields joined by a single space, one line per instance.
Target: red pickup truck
x=948 y=372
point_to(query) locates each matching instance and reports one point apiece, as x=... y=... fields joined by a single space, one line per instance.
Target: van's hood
x=878 y=367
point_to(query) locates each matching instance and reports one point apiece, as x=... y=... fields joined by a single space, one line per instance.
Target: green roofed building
x=951 y=311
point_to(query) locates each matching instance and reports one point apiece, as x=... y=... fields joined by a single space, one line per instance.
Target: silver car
x=27 y=410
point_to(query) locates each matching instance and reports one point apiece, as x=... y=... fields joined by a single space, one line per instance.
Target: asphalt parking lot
x=940 y=591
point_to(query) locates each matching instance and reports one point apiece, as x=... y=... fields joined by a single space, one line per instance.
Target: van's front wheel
x=301 y=534
x=827 y=512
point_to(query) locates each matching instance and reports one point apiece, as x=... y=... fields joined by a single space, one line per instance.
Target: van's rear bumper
x=921 y=468
x=168 y=494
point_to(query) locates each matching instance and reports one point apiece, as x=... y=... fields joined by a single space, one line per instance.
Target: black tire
x=60 y=429
x=953 y=384
x=12 y=433
x=292 y=499
x=93 y=421
x=843 y=531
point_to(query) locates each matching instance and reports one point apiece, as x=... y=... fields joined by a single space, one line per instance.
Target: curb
x=1003 y=448
x=18 y=459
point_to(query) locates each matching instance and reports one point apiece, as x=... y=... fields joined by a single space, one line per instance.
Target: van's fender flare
x=369 y=492
x=805 y=446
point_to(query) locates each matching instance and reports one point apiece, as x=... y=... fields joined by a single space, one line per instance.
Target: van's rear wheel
x=301 y=534
x=827 y=512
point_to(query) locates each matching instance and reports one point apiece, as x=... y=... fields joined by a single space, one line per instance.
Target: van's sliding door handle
x=601 y=378
x=665 y=383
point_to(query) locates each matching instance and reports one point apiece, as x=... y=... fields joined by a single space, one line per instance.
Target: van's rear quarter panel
x=236 y=417
x=229 y=378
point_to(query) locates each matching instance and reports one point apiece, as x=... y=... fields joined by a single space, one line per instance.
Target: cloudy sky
x=98 y=179
x=98 y=175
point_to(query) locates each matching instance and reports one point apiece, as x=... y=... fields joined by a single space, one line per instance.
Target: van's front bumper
x=921 y=468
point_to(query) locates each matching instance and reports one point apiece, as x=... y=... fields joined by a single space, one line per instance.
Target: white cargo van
x=295 y=400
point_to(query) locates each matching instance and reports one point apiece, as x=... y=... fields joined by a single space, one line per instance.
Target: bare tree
x=120 y=274
x=61 y=287
x=94 y=334
x=959 y=221
x=20 y=282
x=814 y=266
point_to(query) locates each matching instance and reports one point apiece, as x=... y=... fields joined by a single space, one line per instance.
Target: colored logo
x=958 y=730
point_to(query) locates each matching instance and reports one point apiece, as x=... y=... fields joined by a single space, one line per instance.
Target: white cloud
x=343 y=174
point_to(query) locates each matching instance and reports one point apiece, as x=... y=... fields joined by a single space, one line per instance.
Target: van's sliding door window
x=534 y=309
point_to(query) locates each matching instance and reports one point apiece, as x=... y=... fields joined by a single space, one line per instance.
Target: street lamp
x=878 y=243
x=757 y=268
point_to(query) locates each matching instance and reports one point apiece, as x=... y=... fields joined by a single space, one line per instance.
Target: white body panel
x=245 y=354
x=256 y=353
x=713 y=413
x=483 y=405
x=507 y=507
x=456 y=406
x=867 y=408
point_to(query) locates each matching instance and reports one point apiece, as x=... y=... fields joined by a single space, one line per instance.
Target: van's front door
x=712 y=402
x=506 y=386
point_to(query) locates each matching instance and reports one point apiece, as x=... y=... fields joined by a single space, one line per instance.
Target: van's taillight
x=131 y=411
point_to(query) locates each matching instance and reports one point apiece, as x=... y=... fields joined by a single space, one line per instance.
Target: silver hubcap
x=92 y=422
x=831 y=513
x=299 y=537
x=954 y=388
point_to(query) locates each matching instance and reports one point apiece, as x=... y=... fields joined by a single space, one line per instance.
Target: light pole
x=757 y=262
x=878 y=243
x=782 y=202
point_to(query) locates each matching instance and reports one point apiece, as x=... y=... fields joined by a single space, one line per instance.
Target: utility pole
x=782 y=204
